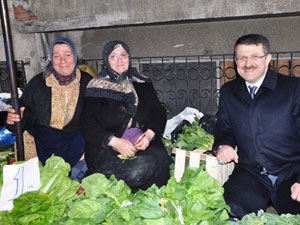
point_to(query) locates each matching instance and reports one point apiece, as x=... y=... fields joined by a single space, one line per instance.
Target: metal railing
x=195 y=81
x=5 y=82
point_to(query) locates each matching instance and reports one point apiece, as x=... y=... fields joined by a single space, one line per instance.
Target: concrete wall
x=54 y=15
x=188 y=28
x=24 y=46
x=188 y=38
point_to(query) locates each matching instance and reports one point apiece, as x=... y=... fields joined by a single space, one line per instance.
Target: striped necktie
x=252 y=91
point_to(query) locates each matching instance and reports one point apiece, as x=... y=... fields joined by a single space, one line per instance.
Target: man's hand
x=226 y=154
x=295 y=190
x=12 y=117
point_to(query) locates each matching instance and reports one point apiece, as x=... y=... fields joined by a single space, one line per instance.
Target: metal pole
x=41 y=50
x=12 y=73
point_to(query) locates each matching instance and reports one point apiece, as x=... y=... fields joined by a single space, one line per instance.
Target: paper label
x=18 y=179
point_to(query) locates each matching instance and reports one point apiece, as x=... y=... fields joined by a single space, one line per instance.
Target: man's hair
x=253 y=39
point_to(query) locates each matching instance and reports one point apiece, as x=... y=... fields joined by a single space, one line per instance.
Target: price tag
x=18 y=179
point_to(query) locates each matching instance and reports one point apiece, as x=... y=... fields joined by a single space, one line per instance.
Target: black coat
x=266 y=130
x=37 y=101
x=103 y=117
x=67 y=143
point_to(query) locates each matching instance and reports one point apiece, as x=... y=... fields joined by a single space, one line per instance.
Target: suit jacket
x=266 y=130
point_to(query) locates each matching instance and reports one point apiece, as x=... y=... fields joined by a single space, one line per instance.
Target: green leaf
x=160 y=221
x=84 y=208
x=73 y=221
x=151 y=210
x=36 y=208
x=263 y=218
x=199 y=196
x=95 y=185
x=5 y=218
x=55 y=179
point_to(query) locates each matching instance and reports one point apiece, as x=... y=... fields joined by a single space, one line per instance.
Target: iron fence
x=194 y=81
x=5 y=81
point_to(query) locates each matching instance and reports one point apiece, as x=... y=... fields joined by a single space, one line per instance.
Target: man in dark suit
x=259 y=113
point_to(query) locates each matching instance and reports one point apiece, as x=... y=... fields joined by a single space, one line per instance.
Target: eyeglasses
x=250 y=57
x=115 y=57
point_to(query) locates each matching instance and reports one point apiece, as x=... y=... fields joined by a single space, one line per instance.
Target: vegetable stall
x=196 y=199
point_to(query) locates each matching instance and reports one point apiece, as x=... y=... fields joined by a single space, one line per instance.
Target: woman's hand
x=123 y=146
x=144 y=140
x=12 y=117
x=226 y=154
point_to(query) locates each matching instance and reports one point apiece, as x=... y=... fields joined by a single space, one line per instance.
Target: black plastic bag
x=178 y=130
x=208 y=123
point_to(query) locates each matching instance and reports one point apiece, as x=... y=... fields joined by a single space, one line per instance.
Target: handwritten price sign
x=18 y=179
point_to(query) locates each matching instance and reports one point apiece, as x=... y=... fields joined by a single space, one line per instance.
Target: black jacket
x=266 y=130
x=104 y=117
x=37 y=101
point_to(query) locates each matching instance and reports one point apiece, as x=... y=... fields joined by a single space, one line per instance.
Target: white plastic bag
x=187 y=114
x=4 y=106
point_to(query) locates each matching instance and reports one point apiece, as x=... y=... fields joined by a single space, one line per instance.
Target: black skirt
x=68 y=145
x=150 y=166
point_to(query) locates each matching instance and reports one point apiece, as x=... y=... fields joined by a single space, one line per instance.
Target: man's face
x=252 y=63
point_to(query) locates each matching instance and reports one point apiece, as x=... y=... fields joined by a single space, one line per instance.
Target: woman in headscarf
x=52 y=103
x=123 y=118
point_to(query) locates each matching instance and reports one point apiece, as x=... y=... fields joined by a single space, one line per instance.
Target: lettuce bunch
x=263 y=218
x=196 y=199
x=49 y=202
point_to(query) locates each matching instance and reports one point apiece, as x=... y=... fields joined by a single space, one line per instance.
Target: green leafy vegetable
x=197 y=198
x=193 y=137
x=5 y=218
x=2 y=164
x=98 y=186
x=120 y=156
x=55 y=179
x=36 y=208
x=75 y=221
x=87 y=208
x=5 y=157
x=7 y=154
x=49 y=202
x=101 y=200
x=263 y=218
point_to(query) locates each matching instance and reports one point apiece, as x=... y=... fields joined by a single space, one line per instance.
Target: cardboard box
x=29 y=146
